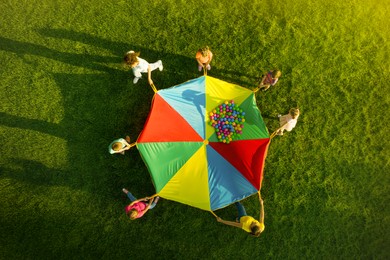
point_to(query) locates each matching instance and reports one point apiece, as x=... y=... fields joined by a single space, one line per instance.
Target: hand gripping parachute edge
x=186 y=160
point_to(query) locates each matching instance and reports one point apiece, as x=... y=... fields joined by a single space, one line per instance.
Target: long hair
x=131 y=58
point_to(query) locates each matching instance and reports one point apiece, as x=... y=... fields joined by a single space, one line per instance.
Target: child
x=119 y=146
x=204 y=57
x=139 y=66
x=245 y=222
x=288 y=122
x=269 y=79
x=138 y=208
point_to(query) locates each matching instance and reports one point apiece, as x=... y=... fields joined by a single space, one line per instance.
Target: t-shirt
x=120 y=140
x=202 y=59
x=138 y=206
x=142 y=67
x=246 y=222
x=269 y=80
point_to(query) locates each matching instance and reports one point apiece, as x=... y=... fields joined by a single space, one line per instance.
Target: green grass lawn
x=65 y=96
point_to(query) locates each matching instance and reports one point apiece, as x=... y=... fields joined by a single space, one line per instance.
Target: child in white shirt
x=289 y=121
x=119 y=145
x=139 y=66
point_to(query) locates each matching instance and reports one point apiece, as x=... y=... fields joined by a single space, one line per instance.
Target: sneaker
x=135 y=80
x=161 y=67
x=279 y=115
x=208 y=67
x=200 y=68
x=125 y=191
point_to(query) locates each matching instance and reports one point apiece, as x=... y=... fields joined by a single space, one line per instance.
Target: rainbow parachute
x=185 y=153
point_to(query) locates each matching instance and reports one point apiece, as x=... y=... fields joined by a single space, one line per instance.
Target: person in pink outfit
x=203 y=57
x=138 y=207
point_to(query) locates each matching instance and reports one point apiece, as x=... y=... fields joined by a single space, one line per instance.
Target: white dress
x=287 y=122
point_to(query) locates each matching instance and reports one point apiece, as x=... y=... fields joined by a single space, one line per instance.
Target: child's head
x=132 y=214
x=204 y=51
x=294 y=112
x=276 y=74
x=131 y=59
x=256 y=228
x=116 y=146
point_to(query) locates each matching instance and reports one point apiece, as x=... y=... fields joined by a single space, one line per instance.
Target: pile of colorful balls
x=228 y=121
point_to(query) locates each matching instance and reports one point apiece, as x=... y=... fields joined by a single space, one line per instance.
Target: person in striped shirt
x=269 y=79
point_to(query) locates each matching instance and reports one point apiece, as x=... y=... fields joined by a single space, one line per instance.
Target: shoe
x=208 y=67
x=200 y=68
x=161 y=67
x=135 y=80
x=279 y=115
x=125 y=191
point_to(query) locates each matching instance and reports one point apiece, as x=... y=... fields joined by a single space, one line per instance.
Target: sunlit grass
x=65 y=96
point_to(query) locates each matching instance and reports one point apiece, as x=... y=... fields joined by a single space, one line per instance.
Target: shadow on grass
x=32 y=124
x=35 y=173
x=80 y=60
x=97 y=109
x=177 y=68
x=101 y=107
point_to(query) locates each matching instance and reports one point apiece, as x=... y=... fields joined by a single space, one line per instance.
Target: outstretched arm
x=127 y=146
x=211 y=57
x=229 y=223
x=148 y=206
x=138 y=200
x=280 y=129
x=261 y=219
x=150 y=75
x=262 y=81
x=200 y=63
x=261 y=84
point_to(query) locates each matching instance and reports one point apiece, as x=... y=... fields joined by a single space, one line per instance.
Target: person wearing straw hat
x=120 y=145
